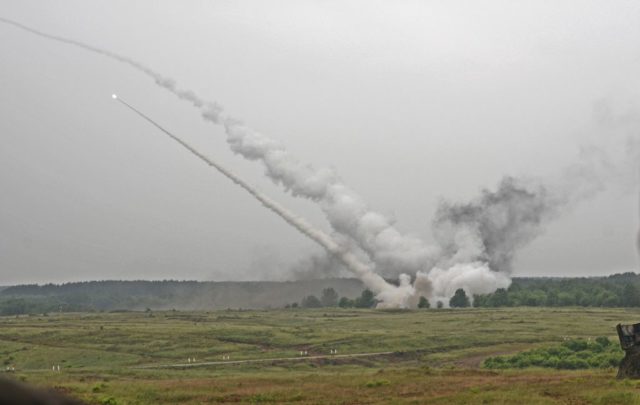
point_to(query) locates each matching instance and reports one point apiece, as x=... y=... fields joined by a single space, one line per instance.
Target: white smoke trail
x=392 y=252
x=372 y=280
x=86 y=47
x=348 y=214
x=475 y=238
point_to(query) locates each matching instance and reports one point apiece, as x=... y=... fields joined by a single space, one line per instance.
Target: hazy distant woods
x=164 y=295
x=619 y=290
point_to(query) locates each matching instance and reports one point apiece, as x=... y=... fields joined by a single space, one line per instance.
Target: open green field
x=435 y=356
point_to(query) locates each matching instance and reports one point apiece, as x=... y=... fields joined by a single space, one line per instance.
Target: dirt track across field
x=229 y=362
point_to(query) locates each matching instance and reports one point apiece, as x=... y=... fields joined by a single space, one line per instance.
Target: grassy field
x=117 y=358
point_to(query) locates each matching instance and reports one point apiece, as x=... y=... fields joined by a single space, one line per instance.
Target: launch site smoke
x=387 y=291
x=477 y=241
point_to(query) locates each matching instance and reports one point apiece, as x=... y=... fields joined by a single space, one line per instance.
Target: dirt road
x=226 y=362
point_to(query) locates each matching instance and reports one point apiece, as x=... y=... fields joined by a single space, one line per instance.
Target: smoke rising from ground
x=490 y=230
x=477 y=241
x=474 y=277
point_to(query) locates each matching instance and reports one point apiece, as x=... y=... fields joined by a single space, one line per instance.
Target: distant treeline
x=330 y=298
x=163 y=295
x=618 y=290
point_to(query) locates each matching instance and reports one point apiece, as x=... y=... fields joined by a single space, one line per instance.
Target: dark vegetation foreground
x=437 y=356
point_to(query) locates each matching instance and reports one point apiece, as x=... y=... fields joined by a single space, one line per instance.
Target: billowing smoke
x=493 y=227
x=475 y=277
x=347 y=213
x=351 y=219
x=391 y=252
x=362 y=271
x=477 y=241
x=480 y=239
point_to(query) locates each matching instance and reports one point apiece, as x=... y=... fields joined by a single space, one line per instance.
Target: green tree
x=424 y=303
x=329 y=297
x=17 y=306
x=439 y=305
x=552 y=299
x=459 y=299
x=366 y=299
x=609 y=299
x=630 y=296
x=535 y=298
x=566 y=299
x=500 y=298
x=311 y=301
x=345 y=303
x=480 y=300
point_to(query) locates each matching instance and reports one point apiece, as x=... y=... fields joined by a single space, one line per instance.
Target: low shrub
x=569 y=355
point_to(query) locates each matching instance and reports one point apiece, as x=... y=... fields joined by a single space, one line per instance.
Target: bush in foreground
x=570 y=355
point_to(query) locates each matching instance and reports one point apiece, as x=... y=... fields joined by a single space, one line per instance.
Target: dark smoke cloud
x=494 y=226
x=479 y=239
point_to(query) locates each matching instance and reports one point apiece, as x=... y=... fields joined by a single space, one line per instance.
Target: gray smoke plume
x=372 y=280
x=373 y=234
x=491 y=229
x=477 y=240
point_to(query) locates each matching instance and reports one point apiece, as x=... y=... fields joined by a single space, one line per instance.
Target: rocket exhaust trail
x=368 y=277
x=373 y=233
x=213 y=112
x=160 y=80
x=84 y=46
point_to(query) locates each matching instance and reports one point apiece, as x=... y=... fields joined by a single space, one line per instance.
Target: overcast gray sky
x=409 y=102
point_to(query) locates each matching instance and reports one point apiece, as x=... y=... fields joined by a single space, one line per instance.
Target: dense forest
x=164 y=295
x=618 y=290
